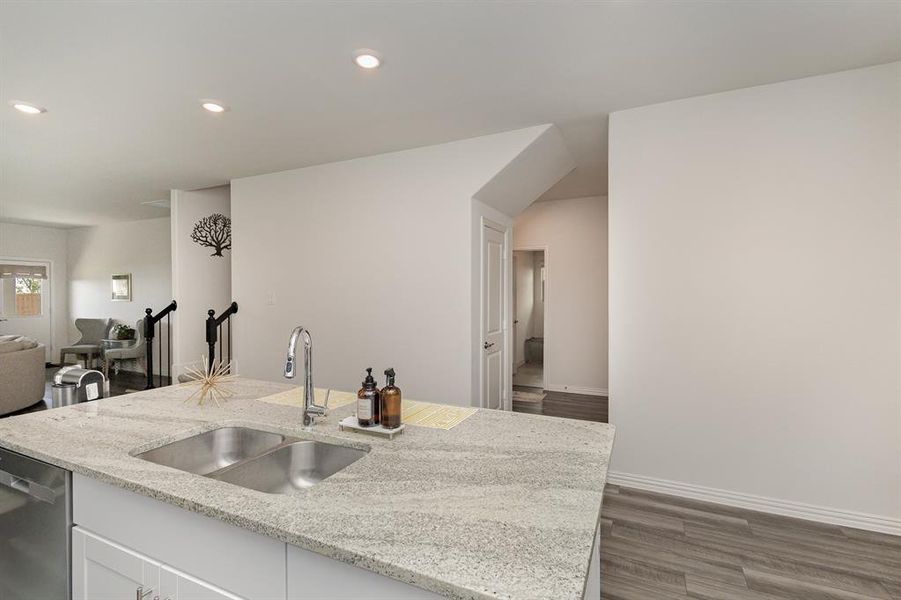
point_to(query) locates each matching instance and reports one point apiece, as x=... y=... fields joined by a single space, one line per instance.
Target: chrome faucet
x=310 y=408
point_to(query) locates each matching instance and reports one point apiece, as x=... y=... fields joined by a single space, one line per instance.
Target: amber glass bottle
x=391 y=401
x=368 y=405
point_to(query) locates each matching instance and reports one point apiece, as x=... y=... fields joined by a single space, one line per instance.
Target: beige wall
x=141 y=248
x=200 y=282
x=755 y=299
x=377 y=257
x=575 y=234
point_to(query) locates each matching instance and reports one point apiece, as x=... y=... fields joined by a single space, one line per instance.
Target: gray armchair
x=136 y=350
x=92 y=331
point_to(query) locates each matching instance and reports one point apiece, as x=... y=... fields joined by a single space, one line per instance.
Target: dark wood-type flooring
x=656 y=546
x=663 y=547
x=560 y=404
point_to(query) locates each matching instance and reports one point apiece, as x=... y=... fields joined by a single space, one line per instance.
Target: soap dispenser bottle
x=368 y=405
x=390 y=396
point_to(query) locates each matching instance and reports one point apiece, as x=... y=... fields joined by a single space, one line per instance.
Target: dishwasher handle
x=27 y=487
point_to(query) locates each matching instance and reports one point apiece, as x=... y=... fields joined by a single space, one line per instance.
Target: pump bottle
x=391 y=402
x=368 y=405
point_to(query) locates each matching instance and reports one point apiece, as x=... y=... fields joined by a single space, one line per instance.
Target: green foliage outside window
x=28 y=285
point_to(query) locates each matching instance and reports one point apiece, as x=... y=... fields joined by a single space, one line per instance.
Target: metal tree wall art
x=214 y=231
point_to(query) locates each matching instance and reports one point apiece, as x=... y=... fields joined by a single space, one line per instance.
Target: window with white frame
x=22 y=290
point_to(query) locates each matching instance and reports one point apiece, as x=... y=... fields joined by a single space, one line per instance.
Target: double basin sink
x=259 y=460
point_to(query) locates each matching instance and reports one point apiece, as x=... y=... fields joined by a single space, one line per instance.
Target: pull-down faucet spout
x=310 y=408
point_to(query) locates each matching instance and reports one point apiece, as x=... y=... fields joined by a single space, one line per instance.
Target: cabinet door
x=175 y=585
x=102 y=570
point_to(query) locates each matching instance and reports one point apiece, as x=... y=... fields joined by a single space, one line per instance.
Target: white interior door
x=494 y=359
x=25 y=305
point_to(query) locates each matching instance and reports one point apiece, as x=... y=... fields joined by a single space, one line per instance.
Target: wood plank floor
x=561 y=404
x=656 y=546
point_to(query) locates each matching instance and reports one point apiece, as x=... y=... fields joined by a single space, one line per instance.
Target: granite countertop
x=505 y=505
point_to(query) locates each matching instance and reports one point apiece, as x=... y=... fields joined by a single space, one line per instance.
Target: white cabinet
x=175 y=585
x=102 y=570
x=245 y=564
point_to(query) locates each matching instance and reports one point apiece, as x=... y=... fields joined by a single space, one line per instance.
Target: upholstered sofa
x=22 y=363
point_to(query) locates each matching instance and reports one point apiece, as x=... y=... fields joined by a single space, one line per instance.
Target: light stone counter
x=505 y=505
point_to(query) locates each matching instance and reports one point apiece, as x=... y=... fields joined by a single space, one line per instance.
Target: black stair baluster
x=169 y=348
x=211 y=337
x=151 y=322
x=159 y=350
x=148 y=336
x=214 y=334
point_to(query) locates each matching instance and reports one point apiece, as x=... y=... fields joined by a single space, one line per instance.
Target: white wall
x=755 y=287
x=141 y=248
x=574 y=232
x=43 y=243
x=375 y=256
x=200 y=281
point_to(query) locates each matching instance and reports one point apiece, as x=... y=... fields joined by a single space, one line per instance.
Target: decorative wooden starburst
x=212 y=382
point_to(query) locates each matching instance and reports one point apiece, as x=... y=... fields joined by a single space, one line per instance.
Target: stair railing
x=151 y=325
x=214 y=334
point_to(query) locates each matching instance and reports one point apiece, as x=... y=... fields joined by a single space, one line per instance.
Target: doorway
x=529 y=300
x=25 y=300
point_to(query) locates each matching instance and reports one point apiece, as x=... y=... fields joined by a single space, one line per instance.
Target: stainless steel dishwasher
x=35 y=529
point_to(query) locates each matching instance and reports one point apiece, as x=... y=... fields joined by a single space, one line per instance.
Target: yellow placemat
x=294 y=397
x=436 y=416
x=420 y=414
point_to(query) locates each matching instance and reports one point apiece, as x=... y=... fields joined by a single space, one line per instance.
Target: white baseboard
x=575 y=389
x=786 y=508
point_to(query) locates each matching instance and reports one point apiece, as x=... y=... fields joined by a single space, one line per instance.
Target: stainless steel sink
x=214 y=450
x=259 y=460
x=296 y=466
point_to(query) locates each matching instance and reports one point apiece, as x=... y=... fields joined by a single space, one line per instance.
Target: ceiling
x=122 y=83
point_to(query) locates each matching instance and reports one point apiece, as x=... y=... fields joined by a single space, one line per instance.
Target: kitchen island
x=504 y=505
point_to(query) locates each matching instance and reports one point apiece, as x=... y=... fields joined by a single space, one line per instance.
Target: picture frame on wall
x=121 y=287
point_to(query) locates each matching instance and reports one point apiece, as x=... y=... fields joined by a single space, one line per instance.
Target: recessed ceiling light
x=28 y=109
x=367 y=59
x=213 y=106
